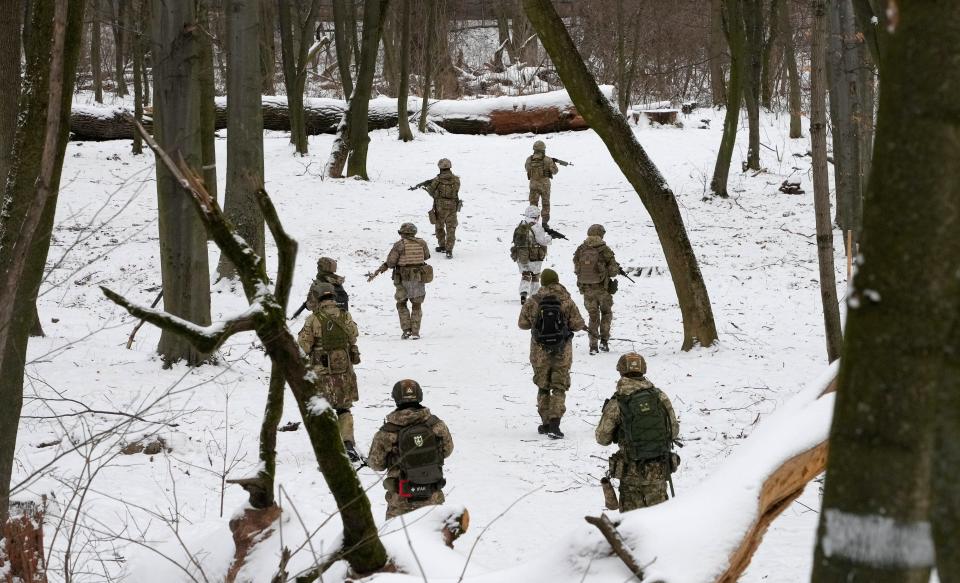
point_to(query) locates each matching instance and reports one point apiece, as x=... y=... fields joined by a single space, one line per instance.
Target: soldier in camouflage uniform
x=648 y=430
x=551 y=360
x=596 y=267
x=411 y=447
x=540 y=171
x=529 y=249
x=329 y=339
x=408 y=259
x=327 y=273
x=445 y=190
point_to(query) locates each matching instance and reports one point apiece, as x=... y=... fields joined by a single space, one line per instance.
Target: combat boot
x=593 y=348
x=352 y=452
x=604 y=347
x=438 y=249
x=542 y=429
x=406 y=334
x=449 y=254
x=523 y=298
x=553 y=430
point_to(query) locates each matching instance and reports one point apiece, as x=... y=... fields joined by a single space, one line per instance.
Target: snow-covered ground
x=756 y=251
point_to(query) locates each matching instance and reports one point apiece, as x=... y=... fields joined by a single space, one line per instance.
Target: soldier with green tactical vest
x=329 y=339
x=411 y=446
x=640 y=419
x=596 y=267
x=408 y=259
x=540 y=171
x=552 y=318
x=445 y=190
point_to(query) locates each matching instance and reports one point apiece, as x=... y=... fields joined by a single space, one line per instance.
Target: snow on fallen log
x=542 y=113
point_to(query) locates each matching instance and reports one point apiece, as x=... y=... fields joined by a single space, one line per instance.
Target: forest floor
x=756 y=250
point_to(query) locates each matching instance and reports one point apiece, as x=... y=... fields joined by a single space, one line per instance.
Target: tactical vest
x=447 y=187
x=333 y=350
x=419 y=454
x=645 y=432
x=590 y=267
x=525 y=246
x=411 y=253
x=551 y=329
x=538 y=168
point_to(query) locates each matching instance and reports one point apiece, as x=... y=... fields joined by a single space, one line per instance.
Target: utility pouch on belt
x=426 y=273
x=338 y=361
x=354 y=354
x=612 y=286
x=674 y=462
x=432 y=216
x=411 y=491
x=616 y=465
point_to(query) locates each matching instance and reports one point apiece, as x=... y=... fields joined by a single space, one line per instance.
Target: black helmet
x=407 y=392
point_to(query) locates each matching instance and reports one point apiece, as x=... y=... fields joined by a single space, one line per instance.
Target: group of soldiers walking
x=413 y=443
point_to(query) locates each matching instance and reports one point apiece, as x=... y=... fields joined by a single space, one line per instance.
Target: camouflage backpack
x=551 y=330
x=341 y=297
x=538 y=168
x=420 y=458
x=645 y=432
x=589 y=266
x=334 y=352
x=525 y=247
x=447 y=188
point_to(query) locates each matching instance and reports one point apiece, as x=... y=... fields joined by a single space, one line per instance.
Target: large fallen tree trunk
x=543 y=113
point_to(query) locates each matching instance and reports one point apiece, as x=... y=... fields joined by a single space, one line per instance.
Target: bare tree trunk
x=429 y=31
x=244 y=129
x=359 y=106
x=145 y=40
x=718 y=50
x=767 y=55
x=9 y=84
x=343 y=29
x=903 y=317
x=753 y=27
x=177 y=122
x=821 y=186
x=656 y=196
x=733 y=27
x=294 y=55
x=403 y=117
x=208 y=113
x=30 y=200
x=119 y=32
x=793 y=75
x=95 y=64
x=138 y=89
x=268 y=47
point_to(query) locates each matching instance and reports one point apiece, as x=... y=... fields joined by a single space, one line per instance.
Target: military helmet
x=444 y=164
x=324 y=289
x=532 y=212
x=408 y=229
x=407 y=391
x=631 y=363
x=326 y=264
x=596 y=231
x=539 y=146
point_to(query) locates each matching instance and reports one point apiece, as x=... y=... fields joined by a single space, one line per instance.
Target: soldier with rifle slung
x=326 y=273
x=596 y=268
x=445 y=191
x=540 y=171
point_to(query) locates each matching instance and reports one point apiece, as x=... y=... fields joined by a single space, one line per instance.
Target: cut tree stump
x=658 y=116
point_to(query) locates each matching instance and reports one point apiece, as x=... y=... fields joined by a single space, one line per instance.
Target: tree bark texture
x=753 y=51
x=373 y=15
x=656 y=196
x=429 y=30
x=19 y=196
x=892 y=437
x=736 y=40
x=95 y=64
x=343 y=28
x=138 y=89
x=244 y=129
x=178 y=128
x=9 y=83
x=403 y=118
x=718 y=51
x=793 y=74
x=821 y=185
x=208 y=113
x=119 y=26
x=268 y=47
x=768 y=56
x=294 y=45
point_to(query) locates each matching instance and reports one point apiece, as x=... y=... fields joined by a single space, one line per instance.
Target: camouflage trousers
x=340 y=390
x=599 y=304
x=397 y=505
x=409 y=318
x=643 y=485
x=540 y=190
x=551 y=374
x=530 y=276
x=446 y=229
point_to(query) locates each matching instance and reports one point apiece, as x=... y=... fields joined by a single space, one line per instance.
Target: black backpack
x=551 y=329
x=645 y=432
x=420 y=459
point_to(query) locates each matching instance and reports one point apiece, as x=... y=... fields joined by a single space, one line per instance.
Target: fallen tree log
x=543 y=113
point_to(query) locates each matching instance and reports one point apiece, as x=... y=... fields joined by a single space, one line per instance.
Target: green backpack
x=420 y=455
x=334 y=347
x=645 y=432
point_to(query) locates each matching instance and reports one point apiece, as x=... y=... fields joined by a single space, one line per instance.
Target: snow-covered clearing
x=756 y=251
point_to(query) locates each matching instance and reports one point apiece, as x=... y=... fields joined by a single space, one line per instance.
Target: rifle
x=372 y=276
x=562 y=162
x=624 y=274
x=421 y=184
x=299 y=311
x=553 y=233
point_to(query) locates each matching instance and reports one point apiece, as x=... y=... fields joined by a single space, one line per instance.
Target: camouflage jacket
x=310 y=337
x=384 y=445
x=607 y=257
x=540 y=166
x=528 y=315
x=609 y=428
x=450 y=183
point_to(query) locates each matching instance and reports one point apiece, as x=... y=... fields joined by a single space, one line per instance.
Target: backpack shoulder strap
x=391 y=427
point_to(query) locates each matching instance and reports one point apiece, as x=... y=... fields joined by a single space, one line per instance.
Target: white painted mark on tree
x=877 y=541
